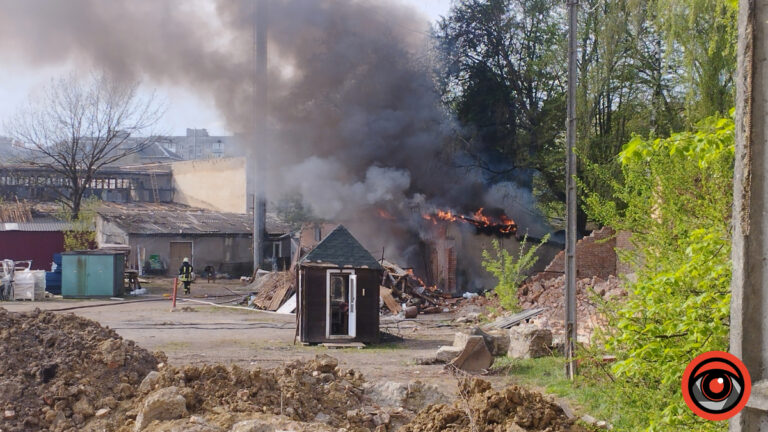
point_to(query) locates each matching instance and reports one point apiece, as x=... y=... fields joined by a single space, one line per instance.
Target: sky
x=184 y=109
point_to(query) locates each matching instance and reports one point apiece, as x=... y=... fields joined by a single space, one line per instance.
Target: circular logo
x=716 y=385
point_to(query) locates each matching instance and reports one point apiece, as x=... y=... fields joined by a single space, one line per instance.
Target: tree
x=702 y=34
x=503 y=76
x=676 y=199
x=510 y=270
x=77 y=126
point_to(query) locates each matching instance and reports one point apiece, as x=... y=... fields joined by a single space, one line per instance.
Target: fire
x=385 y=214
x=447 y=216
x=483 y=223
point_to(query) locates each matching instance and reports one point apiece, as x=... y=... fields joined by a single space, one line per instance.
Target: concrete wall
x=215 y=184
x=749 y=291
x=458 y=254
x=227 y=253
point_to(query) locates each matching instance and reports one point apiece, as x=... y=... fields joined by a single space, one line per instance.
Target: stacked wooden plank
x=272 y=290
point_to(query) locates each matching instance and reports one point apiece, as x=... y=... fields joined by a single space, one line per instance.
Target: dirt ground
x=199 y=333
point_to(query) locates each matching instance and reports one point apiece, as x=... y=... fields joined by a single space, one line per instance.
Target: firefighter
x=185 y=274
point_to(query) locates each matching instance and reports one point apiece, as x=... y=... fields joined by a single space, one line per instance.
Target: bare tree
x=77 y=126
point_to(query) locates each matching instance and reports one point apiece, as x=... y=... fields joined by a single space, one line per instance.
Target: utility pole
x=570 y=202
x=749 y=291
x=259 y=127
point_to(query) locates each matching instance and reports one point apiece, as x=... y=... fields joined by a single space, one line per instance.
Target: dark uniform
x=185 y=275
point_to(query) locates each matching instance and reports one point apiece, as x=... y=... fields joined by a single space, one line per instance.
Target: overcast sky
x=185 y=109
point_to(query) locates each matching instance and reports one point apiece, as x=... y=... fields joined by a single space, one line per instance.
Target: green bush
x=675 y=199
x=510 y=269
x=82 y=236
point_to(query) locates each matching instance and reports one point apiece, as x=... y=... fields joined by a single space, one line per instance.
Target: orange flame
x=503 y=225
x=385 y=214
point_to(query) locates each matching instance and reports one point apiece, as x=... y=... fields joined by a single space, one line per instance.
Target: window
x=338 y=288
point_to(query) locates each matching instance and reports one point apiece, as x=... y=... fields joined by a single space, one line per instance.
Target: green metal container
x=86 y=274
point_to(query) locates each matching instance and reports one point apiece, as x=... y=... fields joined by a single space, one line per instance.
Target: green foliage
x=701 y=35
x=587 y=395
x=676 y=200
x=510 y=269
x=502 y=76
x=82 y=236
x=649 y=67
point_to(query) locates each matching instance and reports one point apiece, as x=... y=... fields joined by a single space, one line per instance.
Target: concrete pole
x=260 y=129
x=749 y=301
x=570 y=185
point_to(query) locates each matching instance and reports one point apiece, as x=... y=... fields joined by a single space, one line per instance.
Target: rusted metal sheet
x=38 y=246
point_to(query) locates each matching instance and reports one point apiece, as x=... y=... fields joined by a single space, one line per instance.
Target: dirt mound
x=312 y=391
x=485 y=410
x=59 y=370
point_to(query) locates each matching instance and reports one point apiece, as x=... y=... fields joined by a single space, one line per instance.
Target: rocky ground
x=62 y=372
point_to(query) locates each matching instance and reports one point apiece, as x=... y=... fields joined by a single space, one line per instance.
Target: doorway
x=341 y=287
x=179 y=251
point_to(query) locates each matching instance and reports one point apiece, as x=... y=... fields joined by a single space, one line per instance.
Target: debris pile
x=58 y=371
x=549 y=294
x=271 y=290
x=400 y=286
x=480 y=408
x=316 y=391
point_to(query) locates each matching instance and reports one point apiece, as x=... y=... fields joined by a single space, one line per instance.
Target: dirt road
x=199 y=333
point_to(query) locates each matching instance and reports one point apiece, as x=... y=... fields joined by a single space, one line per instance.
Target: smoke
x=354 y=121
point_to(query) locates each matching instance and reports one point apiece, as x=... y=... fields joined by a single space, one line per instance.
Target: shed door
x=353 y=305
x=179 y=251
x=341 y=307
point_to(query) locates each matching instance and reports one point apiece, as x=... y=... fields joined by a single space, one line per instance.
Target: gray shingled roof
x=342 y=249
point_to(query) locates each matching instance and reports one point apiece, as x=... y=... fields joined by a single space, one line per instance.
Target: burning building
x=454 y=244
x=353 y=121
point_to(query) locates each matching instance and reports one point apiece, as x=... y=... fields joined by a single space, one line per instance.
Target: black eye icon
x=716 y=386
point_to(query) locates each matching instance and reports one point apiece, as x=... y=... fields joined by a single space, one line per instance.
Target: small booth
x=338 y=295
x=92 y=273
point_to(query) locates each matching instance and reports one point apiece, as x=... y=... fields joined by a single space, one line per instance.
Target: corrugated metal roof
x=161 y=218
x=36 y=226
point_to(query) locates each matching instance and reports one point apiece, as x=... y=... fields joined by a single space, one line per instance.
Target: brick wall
x=595 y=256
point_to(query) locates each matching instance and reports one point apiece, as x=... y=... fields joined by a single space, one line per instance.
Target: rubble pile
x=549 y=294
x=316 y=391
x=400 y=286
x=58 y=371
x=480 y=408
